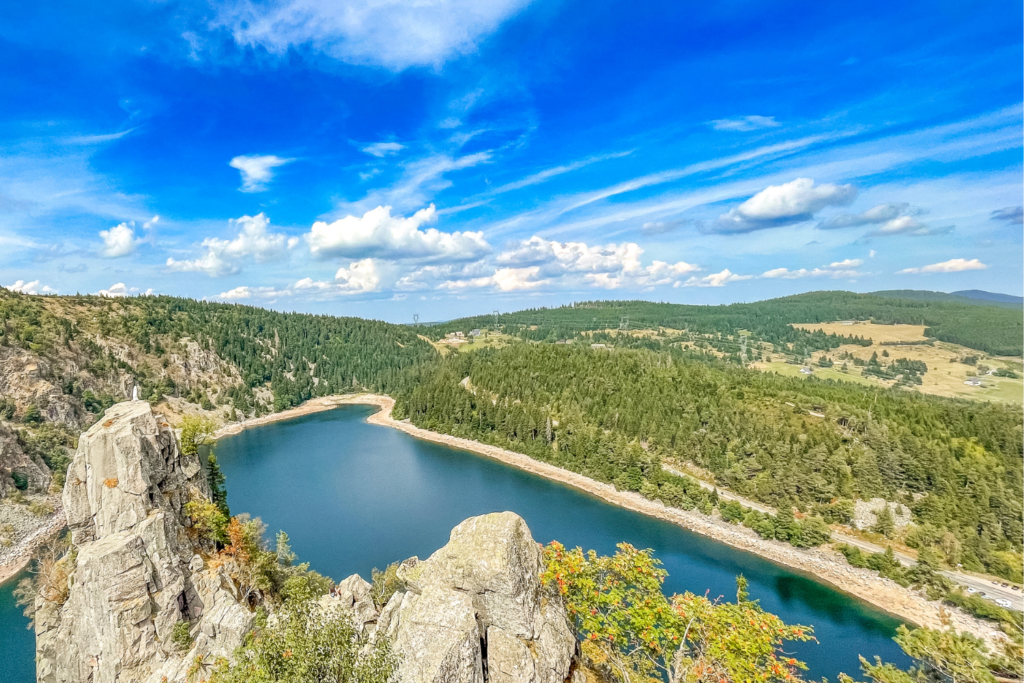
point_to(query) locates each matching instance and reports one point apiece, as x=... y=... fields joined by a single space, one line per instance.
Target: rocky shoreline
x=16 y=557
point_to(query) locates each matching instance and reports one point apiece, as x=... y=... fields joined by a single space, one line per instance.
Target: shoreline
x=824 y=566
x=25 y=550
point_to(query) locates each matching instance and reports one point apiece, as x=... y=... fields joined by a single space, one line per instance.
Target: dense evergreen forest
x=296 y=355
x=617 y=415
x=993 y=329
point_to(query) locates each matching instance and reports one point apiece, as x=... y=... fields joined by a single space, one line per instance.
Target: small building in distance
x=973 y=382
x=562 y=341
x=598 y=346
x=806 y=371
x=475 y=333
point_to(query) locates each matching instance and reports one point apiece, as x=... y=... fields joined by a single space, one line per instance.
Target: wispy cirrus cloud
x=383 y=149
x=390 y=34
x=745 y=123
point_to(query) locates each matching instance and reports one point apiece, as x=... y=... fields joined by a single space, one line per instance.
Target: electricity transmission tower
x=624 y=323
x=495 y=314
x=415 y=318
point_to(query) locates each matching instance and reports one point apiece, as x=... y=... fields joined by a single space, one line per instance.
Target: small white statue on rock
x=135 y=393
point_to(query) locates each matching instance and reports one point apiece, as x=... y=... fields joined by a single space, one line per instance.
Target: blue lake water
x=353 y=496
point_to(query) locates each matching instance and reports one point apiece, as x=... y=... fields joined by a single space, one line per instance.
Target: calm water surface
x=354 y=496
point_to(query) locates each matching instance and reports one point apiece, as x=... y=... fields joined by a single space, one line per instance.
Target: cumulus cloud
x=379 y=234
x=537 y=262
x=891 y=219
x=119 y=241
x=257 y=170
x=955 y=265
x=392 y=34
x=361 y=277
x=34 y=287
x=116 y=290
x=252 y=240
x=716 y=279
x=1011 y=214
x=745 y=123
x=383 y=149
x=837 y=269
x=786 y=204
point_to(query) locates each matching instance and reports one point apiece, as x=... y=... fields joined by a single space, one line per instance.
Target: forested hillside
x=617 y=415
x=995 y=330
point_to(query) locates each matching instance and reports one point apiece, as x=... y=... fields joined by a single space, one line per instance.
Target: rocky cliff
x=135 y=568
x=474 y=611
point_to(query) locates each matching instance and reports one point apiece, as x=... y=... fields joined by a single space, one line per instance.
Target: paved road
x=968 y=581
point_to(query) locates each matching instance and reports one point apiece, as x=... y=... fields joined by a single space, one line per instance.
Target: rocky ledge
x=474 y=612
x=135 y=569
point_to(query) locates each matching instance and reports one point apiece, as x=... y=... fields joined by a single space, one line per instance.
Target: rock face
x=476 y=610
x=866 y=513
x=15 y=462
x=137 y=572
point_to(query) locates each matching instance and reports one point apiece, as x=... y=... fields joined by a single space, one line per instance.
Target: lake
x=353 y=496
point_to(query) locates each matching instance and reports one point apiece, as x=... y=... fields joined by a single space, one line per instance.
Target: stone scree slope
x=137 y=571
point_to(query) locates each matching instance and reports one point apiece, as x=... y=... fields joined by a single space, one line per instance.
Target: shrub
x=385 y=584
x=181 y=637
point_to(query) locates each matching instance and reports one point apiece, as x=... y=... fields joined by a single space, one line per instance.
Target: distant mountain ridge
x=969 y=297
x=990 y=296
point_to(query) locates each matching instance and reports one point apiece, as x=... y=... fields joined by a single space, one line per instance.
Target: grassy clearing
x=945 y=376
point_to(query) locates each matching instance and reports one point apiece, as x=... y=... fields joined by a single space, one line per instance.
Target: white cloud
x=955 y=265
x=388 y=33
x=379 y=234
x=33 y=287
x=361 y=277
x=116 y=290
x=383 y=149
x=119 y=241
x=845 y=268
x=745 y=123
x=211 y=263
x=253 y=240
x=450 y=122
x=538 y=262
x=716 y=279
x=777 y=205
x=257 y=171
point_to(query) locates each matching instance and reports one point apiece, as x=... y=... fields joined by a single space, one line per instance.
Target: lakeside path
x=824 y=565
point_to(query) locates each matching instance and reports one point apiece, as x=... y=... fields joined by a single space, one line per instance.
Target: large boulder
x=478 y=605
x=135 y=570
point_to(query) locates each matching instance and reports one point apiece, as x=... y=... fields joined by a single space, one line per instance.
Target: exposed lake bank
x=823 y=564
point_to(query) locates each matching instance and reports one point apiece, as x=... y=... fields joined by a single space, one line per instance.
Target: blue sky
x=383 y=158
